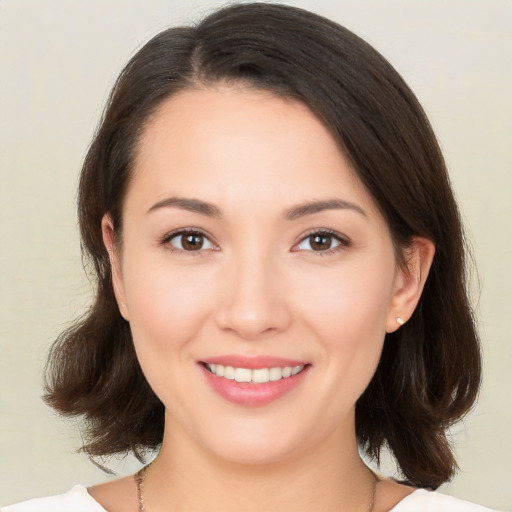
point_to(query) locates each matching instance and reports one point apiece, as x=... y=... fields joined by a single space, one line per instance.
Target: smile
x=254 y=382
x=254 y=376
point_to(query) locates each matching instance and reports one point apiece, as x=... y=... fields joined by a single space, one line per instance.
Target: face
x=251 y=250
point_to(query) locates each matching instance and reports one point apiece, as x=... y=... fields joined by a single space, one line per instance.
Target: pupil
x=192 y=242
x=321 y=242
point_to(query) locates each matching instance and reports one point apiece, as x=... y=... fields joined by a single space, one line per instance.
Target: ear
x=107 y=230
x=409 y=282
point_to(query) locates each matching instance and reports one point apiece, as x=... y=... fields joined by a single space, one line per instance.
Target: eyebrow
x=296 y=212
x=191 y=205
x=320 y=206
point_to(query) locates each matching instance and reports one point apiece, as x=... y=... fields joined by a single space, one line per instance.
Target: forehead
x=234 y=143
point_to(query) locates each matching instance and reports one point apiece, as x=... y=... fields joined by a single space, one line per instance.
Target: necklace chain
x=139 y=482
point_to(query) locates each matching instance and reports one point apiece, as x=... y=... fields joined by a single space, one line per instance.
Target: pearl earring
x=400 y=321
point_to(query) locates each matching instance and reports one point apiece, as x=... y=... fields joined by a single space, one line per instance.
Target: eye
x=321 y=241
x=190 y=241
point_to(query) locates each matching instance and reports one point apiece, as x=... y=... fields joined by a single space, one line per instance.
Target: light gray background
x=58 y=59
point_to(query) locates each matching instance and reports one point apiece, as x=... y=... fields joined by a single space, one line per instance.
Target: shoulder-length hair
x=429 y=373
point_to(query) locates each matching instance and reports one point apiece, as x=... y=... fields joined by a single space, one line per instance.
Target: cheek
x=167 y=304
x=350 y=300
x=347 y=310
x=168 y=308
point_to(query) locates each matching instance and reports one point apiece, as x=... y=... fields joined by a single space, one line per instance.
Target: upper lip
x=254 y=362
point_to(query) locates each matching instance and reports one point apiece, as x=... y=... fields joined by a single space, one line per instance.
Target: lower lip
x=253 y=395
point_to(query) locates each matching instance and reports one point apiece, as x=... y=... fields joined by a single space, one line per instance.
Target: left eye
x=190 y=241
x=319 y=242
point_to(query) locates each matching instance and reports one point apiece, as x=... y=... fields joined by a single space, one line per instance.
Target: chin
x=261 y=452
x=252 y=441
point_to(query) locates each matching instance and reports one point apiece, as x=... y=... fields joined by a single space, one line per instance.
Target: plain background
x=58 y=59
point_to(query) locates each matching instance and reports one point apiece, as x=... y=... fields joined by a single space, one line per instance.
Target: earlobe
x=107 y=229
x=410 y=282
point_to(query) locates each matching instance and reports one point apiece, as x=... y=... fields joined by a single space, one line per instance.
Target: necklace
x=139 y=483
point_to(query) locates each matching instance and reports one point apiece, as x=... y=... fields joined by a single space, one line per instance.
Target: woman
x=280 y=278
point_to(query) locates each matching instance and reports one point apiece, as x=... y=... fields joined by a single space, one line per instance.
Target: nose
x=253 y=299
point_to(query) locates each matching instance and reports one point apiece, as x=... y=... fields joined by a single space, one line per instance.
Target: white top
x=79 y=500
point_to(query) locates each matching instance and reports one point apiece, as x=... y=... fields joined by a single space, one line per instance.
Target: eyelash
x=166 y=239
x=343 y=241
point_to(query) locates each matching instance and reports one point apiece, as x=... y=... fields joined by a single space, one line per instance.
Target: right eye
x=190 y=241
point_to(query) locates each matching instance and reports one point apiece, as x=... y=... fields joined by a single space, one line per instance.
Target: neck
x=185 y=476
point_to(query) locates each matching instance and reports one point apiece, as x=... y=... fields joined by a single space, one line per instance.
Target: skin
x=257 y=286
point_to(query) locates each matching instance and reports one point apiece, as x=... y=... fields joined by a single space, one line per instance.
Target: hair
x=429 y=372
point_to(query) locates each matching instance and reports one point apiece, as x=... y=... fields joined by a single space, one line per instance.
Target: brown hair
x=429 y=373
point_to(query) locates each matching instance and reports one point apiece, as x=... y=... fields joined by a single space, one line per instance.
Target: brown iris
x=192 y=241
x=320 y=242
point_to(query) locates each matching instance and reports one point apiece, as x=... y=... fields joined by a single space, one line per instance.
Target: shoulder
x=76 y=500
x=422 y=500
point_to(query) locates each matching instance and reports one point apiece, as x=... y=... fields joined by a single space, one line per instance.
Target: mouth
x=254 y=376
x=253 y=382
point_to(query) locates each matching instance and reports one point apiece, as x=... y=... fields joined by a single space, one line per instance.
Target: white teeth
x=296 y=369
x=260 y=375
x=229 y=372
x=276 y=373
x=243 y=375
x=257 y=376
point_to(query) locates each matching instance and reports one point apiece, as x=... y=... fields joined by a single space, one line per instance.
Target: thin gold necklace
x=140 y=475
